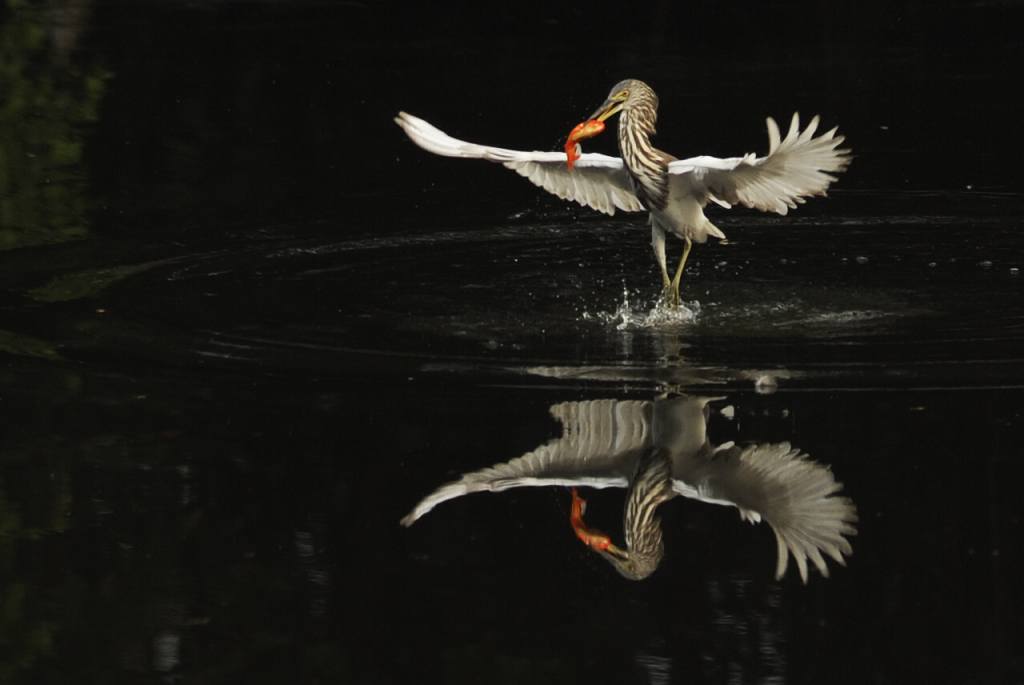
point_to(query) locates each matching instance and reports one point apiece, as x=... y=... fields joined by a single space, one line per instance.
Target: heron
x=660 y=449
x=673 y=191
x=650 y=486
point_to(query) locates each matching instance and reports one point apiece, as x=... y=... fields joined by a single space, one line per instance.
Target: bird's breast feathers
x=683 y=216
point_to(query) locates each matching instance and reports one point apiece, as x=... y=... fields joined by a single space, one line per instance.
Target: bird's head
x=626 y=95
x=630 y=564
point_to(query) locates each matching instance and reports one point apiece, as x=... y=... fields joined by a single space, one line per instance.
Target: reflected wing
x=598 y=181
x=797 y=167
x=796 y=496
x=601 y=441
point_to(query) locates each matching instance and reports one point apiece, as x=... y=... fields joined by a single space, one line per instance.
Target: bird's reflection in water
x=658 y=449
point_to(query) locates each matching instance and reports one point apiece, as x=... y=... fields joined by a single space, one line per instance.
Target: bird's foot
x=670 y=297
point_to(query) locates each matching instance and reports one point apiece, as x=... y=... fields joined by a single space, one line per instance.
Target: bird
x=650 y=486
x=673 y=191
x=659 y=449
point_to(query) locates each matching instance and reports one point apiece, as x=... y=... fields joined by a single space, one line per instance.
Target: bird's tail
x=712 y=230
x=685 y=216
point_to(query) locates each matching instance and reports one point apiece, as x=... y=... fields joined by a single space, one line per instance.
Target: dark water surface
x=245 y=326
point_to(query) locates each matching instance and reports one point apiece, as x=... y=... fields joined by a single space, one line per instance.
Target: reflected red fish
x=594 y=539
x=582 y=131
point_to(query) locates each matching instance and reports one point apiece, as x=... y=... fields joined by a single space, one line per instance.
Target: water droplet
x=1014 y=271
x=862 y=259
x=985 y=264
x=766 y=384
x=630 y=316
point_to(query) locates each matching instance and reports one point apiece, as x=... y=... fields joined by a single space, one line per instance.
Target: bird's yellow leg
x=669 y=295
x=676 y=300
x=658 y=243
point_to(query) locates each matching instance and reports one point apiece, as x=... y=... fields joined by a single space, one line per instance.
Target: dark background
x=283 y=111
x=238 y=342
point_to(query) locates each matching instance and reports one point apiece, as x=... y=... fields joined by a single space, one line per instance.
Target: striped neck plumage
x=650 y=486
x=645 y=164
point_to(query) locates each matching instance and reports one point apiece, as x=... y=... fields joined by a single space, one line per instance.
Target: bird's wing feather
x=597 y=181
x=795 y=495
x=796 y=167
x=601 y=441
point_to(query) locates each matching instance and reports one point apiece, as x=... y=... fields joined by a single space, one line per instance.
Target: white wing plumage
x=796 y=167
x=597 y=181
x=600 y=444
x=795 y=495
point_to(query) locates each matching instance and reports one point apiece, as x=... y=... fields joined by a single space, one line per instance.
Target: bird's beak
x=613 y=551
x=609 y=108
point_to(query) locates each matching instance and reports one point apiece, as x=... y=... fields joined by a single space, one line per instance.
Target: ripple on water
x=562 y=294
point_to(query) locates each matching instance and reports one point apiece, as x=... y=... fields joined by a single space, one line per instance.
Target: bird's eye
x=622 y=95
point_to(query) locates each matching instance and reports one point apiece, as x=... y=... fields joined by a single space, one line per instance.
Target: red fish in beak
x=582 y=131
x=594 y=539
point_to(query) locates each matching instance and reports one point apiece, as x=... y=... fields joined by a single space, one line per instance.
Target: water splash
x=634 y=313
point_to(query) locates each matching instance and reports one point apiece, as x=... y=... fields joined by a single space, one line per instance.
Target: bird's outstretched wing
x=597 y=181
x=796 y=167
x=795 y=495
x=600 y=444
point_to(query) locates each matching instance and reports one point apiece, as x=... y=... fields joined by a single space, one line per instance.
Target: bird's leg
x=676 y=300
x=658 y=243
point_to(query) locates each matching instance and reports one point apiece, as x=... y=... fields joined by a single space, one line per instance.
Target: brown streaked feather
x=647 y=166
